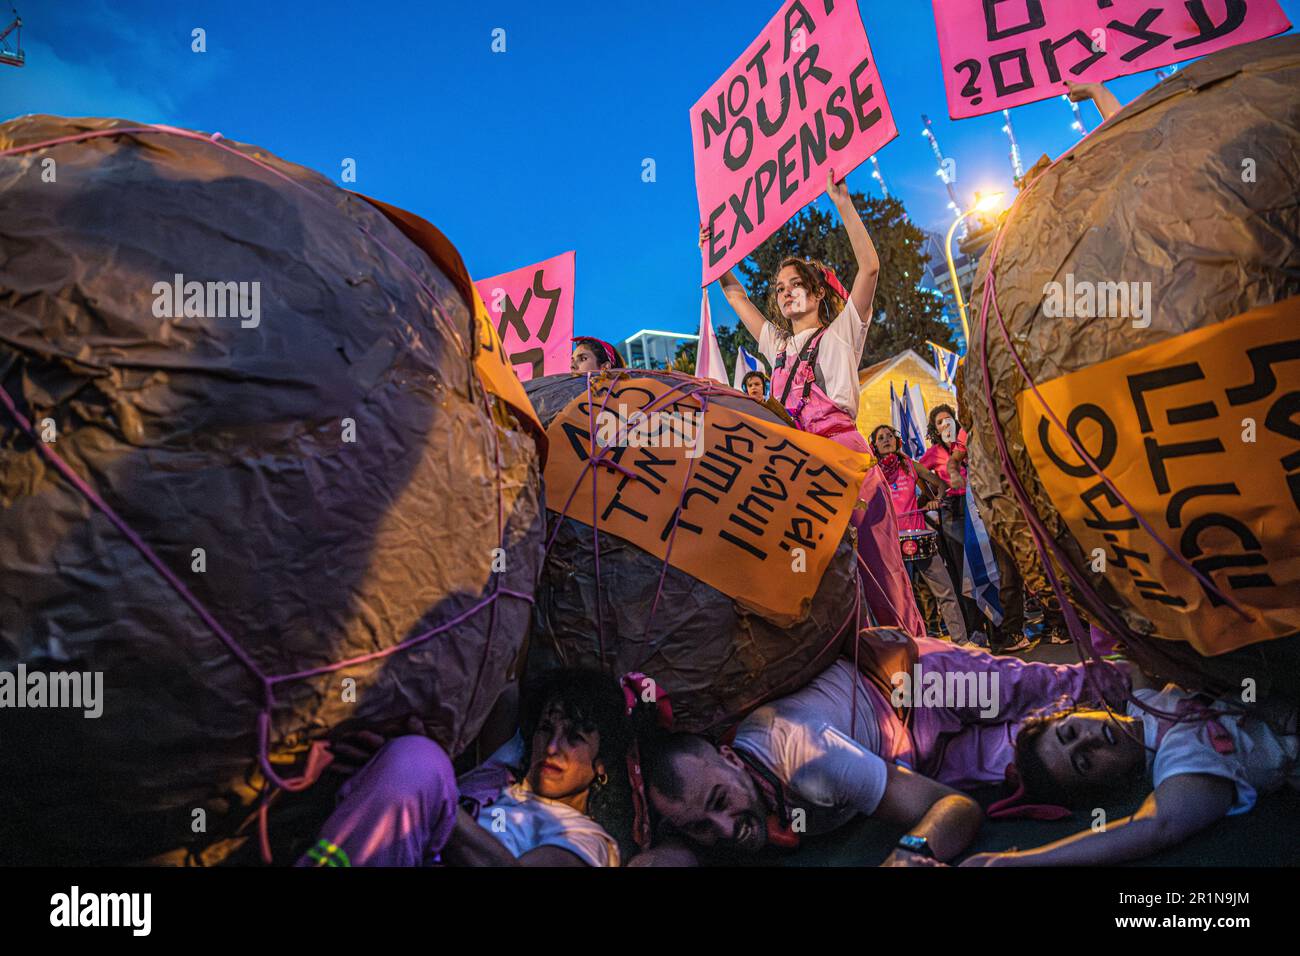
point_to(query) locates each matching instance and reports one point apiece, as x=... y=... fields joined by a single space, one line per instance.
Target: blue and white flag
x=894 y=409
x=945 y=363
x=909 y=418
x=745 y=363
x=980 y=580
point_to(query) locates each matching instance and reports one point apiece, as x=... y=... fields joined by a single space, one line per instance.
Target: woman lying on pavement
x=529 y=807
x=1202 y=758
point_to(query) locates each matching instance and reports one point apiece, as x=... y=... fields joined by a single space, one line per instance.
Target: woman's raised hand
x=839 y=192
x=704 y=234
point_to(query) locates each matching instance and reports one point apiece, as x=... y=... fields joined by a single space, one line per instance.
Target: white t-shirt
x=522 y=821
x=837 y=356
x=1262 y=760
x=804 y=740
x=526 y=821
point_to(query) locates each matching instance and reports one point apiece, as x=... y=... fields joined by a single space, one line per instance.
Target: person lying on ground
x=593 y=355
x=1203 y=760
x=405 y=807
x=804 y=764
x=954 y=714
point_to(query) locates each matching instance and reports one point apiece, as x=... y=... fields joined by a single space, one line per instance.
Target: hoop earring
x=602 y=780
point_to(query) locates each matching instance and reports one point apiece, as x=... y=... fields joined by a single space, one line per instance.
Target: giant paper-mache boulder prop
x=315 y=470
x=1148 y=281
x=756 y=492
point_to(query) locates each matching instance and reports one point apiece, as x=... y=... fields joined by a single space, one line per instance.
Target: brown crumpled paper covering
x=1156 y=195
x=201 y=433
x=715 y=659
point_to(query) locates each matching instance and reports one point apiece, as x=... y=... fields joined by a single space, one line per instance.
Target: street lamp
x=982 y=204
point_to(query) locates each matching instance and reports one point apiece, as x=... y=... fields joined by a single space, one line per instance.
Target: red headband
x=1011 y=808
x=833 y=281
x=609 y=349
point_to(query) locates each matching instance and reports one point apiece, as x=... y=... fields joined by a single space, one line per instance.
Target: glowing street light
x=983 y=203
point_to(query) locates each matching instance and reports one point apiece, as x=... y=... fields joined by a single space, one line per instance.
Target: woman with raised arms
x=813 y=336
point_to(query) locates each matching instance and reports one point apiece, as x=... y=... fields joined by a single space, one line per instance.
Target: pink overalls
x=886 y=585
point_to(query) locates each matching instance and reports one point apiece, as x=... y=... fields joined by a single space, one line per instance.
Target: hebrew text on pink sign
x=804 y=98
x=1002 y=53
x=532 y=309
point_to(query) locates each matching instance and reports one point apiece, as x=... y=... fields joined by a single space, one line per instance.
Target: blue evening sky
x=515 y=156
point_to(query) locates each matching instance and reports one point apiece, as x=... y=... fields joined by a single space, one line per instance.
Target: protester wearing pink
x=796 y=361
x=971 y=745
x=936 y=459
x=813 y=334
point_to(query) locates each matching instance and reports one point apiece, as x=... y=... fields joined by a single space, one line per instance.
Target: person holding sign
x=813 y=338
x=593 y=355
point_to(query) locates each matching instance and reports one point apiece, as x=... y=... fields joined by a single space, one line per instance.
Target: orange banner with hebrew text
x=762 y=506
x=1201 y=432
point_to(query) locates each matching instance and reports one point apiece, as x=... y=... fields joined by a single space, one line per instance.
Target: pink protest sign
x=1002 y=53
x=804 y=98
x=532 y=309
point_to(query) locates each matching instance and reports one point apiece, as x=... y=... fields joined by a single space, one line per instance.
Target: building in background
x=650 y=348
x=938 y=280
x=906 y=366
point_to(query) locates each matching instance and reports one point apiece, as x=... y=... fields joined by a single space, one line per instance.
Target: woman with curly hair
x=812 y=336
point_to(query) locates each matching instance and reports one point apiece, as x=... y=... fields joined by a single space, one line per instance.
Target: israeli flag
x=745 y=363
x=910 y=417
x=980 y=580
x=945 y=363
x=894 y=410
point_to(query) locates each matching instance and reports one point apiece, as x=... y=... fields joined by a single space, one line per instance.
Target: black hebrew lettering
x=1206 y=564
x=1050 y=47
x=1034 y=17
x=747 y=506
x=727 y=536
x=1143 y=382
x=513 y=315
x=729 y=443
x=1099 y=521
x=1151 y=39
x=1281 y=418
x=996 y=63
x=1174 y=513
x=796 y=465
x=1158 y=454
x=727 y=476
x=616 y=501
x=580 y=441
x=1262 y=359
x=648 y=462
x=828 y=472
x=534 y=358
x=800 y=532
x=1234 y=16
x=1085 y=412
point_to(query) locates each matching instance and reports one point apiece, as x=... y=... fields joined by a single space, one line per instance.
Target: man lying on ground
x=1203 y=759
x=406 y=808
x=802 y=764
